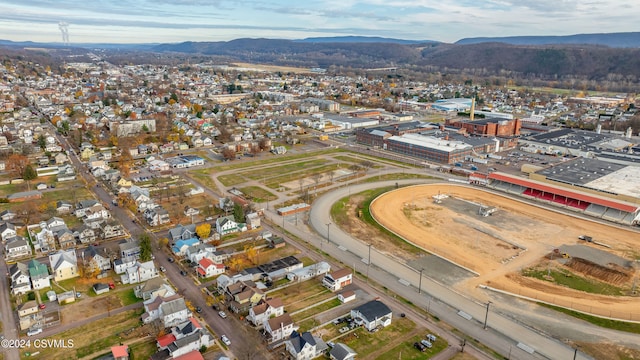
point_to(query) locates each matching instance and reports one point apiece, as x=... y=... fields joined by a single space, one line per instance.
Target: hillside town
x=111 y=214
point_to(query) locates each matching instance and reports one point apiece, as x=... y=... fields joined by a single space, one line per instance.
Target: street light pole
x=575 y=353
x=328 y=237
x=420 y=283
x=368 y=263
x=486 y=315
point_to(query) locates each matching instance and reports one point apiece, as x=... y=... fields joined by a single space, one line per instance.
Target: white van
x=33 y=332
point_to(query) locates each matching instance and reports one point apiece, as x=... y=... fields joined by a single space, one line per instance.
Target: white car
x=225 y=340
x=222 y=314
x=33 y=332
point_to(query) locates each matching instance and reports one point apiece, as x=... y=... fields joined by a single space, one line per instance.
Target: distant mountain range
x=588 y=56
x=617 y=40
x=363 y=39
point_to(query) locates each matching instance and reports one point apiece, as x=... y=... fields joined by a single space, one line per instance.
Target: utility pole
x=420 y=283
x=575 y=352
x=328 y=238
x=486 y=315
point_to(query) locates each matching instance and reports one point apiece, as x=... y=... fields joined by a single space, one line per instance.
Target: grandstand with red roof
x=618 y=211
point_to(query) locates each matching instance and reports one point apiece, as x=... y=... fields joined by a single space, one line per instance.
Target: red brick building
x=489 y=127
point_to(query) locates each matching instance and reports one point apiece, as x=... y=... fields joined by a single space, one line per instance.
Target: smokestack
x=598 y=129
x=628 y=133
x=473 y=108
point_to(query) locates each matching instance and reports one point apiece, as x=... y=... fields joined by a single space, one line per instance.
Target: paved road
x=185 y=285
x=396 y=306
x=503 y=333
x=10 y=331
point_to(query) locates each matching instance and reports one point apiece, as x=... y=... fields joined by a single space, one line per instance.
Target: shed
x=347 y=296
x=100 y=288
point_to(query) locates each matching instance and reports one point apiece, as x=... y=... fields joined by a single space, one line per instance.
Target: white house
x=152 y=288
x=309 y=272
x=372 y=314
x=226 y=225
x=264 y=310
x=20 y=280
x=94 y=261
x=39 y=274
x=170 y=310
x=279 y=328
x=17 y=247
x=139 y=272
x=207 y=268
x=304 y=346
x=338 y=279
x=198 y=252
x=7 y=231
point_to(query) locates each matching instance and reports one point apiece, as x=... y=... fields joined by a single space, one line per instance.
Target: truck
x=585 y=238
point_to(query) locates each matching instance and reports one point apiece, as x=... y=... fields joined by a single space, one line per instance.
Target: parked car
x=42 y=306
x=426 y=343
x=171 y=259
x=431 y=337
x=183 y=273
x=33 y=332
x=225 y=340
x=112 y=286
x=419 y=346
x=198 y=309
x=222 y=314
x=163 y=269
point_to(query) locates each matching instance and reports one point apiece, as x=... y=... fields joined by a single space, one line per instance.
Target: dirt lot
x=514 y=237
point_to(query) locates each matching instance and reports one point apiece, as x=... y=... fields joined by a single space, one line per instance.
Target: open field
x=517 y=236
x=95 y=337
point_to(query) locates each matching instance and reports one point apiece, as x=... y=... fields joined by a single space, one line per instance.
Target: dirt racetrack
x=517 y=235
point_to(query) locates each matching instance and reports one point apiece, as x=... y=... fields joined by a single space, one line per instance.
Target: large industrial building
x=428 y=142
x=589 y=144
x=488 y=127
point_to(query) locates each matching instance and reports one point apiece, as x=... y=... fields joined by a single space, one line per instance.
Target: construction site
x=518 y=247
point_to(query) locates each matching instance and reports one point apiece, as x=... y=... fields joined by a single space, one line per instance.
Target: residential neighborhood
x=165 y=211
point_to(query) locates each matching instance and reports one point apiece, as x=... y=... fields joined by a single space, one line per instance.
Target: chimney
x=441 y=127
x=446 y=137
x=473 y=108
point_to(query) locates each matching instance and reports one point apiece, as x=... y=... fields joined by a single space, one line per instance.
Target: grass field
x=91 y=338
x=366 y=343
x=258 y=194
x=315 y=310
x=339 y=212
x=566 y=278
x=605 y=323
x=203 y=176
x=407 y=351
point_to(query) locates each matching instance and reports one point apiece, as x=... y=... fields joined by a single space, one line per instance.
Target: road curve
x=502 y=334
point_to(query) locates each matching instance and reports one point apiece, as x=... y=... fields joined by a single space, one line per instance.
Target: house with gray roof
x=170 y=310
x=304 y=346
x=341 y=351
x=7 y=231
x=20 y=280
x=64 y=264
x=372 y=314
x=181 y=232
x=17 y=247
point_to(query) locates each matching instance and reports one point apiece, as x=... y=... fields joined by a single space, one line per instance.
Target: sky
x=173 y=21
